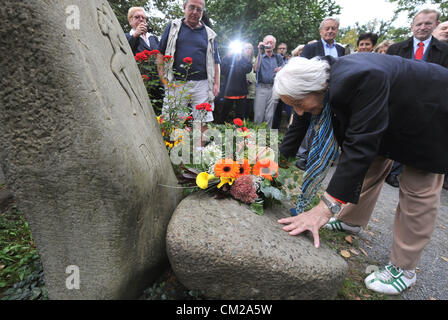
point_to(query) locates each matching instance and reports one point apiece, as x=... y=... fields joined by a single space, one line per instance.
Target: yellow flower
x=203 y=178
x=225 y=180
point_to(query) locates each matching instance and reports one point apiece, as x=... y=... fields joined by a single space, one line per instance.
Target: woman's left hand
x=311 y=220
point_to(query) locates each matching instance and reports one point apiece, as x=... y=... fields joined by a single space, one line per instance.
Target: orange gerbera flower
x=226 y=168
x=266 y=168
x=244 y=168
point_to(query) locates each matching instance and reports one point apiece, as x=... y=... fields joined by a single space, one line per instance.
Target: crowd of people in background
x=241 y=84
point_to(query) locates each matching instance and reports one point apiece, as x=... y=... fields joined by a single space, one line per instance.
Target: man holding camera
x=266 y=66
x=139 y=37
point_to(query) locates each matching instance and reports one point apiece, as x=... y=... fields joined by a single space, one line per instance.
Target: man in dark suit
x=422 y=46
x=383 y=108
x=328 y=29
x=139 y=38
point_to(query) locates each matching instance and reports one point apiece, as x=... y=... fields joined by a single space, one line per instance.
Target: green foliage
x=21 y=273
x=121 y=7
x=251 y=20
x=413 y=6
x=170 y=9
x=383 y=29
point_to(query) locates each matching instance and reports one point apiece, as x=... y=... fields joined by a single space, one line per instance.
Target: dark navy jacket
x=316 y=49
x=382 y=105
x=139 y=45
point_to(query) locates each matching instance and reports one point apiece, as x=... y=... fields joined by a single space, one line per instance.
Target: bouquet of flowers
x=254 y=180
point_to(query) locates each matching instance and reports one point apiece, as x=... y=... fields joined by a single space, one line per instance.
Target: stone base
x=226 y=251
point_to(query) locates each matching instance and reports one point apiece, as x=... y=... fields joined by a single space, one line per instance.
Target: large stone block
x=226 y=251
x=81 y=148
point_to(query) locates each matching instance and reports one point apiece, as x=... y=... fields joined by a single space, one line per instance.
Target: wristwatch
x=335 y=207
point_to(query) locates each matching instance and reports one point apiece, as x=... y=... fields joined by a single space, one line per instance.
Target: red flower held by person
x=238 y=122
x=188 y=60
x=154 y=52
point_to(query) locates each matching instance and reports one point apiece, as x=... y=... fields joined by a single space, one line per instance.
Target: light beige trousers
x=416 y=213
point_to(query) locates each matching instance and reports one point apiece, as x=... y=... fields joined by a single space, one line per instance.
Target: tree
x=383 y=29
x=290 y=21
x=412 y=6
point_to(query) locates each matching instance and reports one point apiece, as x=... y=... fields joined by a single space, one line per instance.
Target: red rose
x=145 y=77
x=141 y=56
x=206 y=106
x=188 y=60
x=154 y=52
x=167 y=58
x=238 y=122
x=200 y=107
x=189 y=118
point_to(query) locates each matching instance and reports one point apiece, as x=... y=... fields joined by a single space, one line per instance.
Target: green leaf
x=257 y=208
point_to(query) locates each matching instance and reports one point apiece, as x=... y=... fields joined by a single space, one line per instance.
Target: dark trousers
x=305 y=146
x=250 y=109
x=227 y=106
x=278 y=114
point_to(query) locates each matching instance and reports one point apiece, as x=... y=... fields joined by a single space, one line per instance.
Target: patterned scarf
x=323 y=151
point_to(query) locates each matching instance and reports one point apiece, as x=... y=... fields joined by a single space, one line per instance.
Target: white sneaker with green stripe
x=391 y=280
x=337 y=225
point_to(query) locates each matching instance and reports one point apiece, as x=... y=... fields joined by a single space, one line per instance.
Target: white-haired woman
x=373 y=105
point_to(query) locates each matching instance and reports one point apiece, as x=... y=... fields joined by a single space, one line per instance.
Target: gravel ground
x=432 y=280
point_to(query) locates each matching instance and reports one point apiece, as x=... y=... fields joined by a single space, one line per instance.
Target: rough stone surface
x=226 y=251
x=81 y=149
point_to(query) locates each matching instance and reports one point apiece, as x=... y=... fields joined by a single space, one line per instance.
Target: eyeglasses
x=194 y=8
x=139 y=17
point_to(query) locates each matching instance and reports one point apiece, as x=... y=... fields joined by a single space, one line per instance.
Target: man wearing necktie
x=424 y=47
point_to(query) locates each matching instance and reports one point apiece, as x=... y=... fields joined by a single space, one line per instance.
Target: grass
x=21 y=273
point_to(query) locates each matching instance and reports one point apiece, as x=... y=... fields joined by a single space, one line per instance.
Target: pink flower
x=243 y=189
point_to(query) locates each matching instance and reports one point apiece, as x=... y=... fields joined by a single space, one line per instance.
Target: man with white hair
x=266 y=67
x=441 y=32
x=327 y=46
x=378 y=108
